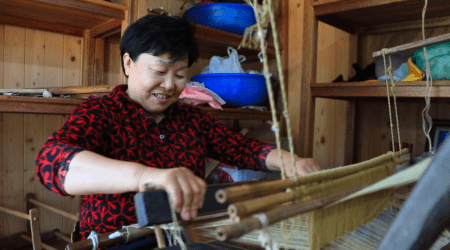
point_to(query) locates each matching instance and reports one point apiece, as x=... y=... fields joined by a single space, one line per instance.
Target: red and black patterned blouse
x=118 y=127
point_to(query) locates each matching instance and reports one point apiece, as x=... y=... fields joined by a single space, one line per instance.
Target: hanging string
x=394 y=91
x=261 y=19
x=388 y=73
x=427 y=121
x=282 y=86
x=176 y=229
x=257 y=33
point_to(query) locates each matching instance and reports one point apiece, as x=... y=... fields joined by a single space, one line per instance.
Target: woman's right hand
x=186 y=190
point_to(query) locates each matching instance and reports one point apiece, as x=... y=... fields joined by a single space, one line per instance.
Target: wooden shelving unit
x=360 y=18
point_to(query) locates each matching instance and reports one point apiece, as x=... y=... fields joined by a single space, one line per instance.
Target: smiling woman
x=155 y=82
x=112 y=146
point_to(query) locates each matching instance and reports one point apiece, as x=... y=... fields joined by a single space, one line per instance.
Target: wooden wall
x=333 y=59
x=33 y=59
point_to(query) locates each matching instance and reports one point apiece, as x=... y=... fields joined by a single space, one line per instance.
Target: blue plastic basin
x=230 y=17
x=236 y=89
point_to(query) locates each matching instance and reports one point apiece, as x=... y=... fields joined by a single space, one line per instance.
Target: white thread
x=262 y=218
x=94 y=237
x=47 y=94
x=115 y=235
x=275 y=128
x=176 y=228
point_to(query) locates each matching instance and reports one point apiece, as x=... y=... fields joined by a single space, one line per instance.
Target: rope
x=388 y=73
x=175 y=231
x=261 y=26
x=425 y=112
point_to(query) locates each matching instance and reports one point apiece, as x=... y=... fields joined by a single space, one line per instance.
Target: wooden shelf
x=37 y=105
x=238 y=114
x=56 y=105
x=213 y=42
x=441 y=89
x=70 y=17
x=349 y=15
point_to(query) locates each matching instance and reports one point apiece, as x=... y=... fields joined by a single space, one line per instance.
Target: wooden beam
x=415 y=45
x=341 y=6
x=95 y=7
x=409 y=25
x=106 y=27
x=35 y=232
x=88 y=59
x=37 y=105
x=99 y=61
x=41 y=25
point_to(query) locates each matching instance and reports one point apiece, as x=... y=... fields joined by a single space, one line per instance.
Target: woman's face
x=155 y=82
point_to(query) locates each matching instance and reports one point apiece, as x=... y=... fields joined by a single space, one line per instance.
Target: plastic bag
x=195 y=93
x=230 y=64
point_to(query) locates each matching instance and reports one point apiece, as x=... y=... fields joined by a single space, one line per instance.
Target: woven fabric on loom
x=367 y=236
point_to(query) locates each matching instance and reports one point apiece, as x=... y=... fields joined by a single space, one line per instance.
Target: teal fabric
x=439 y=57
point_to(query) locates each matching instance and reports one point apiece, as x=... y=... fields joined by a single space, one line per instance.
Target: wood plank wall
x=330 y=125
x=32 y=59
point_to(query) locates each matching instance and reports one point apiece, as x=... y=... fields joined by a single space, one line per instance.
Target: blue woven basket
x=236 y=89
x=230 y=17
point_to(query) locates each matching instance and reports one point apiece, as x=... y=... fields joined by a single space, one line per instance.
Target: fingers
x=305 y=166
x=185 y=190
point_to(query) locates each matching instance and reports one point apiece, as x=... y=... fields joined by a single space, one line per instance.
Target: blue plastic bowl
x=230 y=17
x=236 y=89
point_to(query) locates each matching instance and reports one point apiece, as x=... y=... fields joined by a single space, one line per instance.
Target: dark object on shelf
x=425 y=213
x=340 y=78
x=363 y=75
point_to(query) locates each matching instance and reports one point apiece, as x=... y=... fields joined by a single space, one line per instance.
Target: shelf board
x=70 y=17
x=349 y=15
x=238 y=114
x=37 y=105
x=440 y=89
x=56 y=105
x=213 y=42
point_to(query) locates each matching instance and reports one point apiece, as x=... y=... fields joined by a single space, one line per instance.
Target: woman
x=111 y=146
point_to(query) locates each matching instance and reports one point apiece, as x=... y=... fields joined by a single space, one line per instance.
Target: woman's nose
x=169 y=83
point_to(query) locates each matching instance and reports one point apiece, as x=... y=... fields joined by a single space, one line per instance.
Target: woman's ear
x=127 y=63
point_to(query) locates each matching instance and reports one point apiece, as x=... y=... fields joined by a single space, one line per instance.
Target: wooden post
x=302 y=49
x=99 y=61
x=35 y=232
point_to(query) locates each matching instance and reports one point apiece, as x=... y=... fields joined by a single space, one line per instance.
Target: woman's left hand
x=302 y=165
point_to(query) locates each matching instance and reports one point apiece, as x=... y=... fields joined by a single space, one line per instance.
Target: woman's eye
x=160 y=72
x=180 y=77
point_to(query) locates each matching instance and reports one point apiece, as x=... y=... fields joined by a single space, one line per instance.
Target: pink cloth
x=196 y=93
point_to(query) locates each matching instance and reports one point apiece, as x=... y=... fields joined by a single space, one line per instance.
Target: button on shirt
x=119 y=128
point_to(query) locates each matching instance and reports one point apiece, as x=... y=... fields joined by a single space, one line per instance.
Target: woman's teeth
x=161 y=96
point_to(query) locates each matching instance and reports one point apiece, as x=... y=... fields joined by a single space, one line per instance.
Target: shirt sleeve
x=235 y=149
x=83 y=130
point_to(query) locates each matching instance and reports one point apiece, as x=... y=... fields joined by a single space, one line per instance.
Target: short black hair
x=160 y=34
